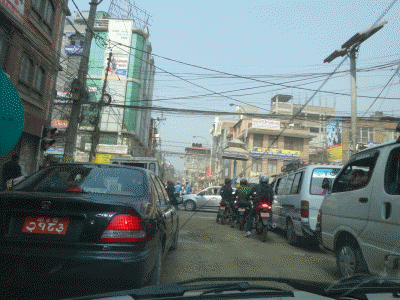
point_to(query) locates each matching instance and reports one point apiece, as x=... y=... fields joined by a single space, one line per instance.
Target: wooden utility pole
x=96 y=131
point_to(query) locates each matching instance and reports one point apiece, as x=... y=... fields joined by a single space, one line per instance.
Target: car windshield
x=87 y=179
x=97 y=96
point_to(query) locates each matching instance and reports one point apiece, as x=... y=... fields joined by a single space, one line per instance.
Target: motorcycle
x=243 y=210
x=224 y=212
x=263 y=220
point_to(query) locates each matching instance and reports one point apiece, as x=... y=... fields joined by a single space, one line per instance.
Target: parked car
x=84 y=220
x=359 y=220
x=209 y=197
x=298 y=195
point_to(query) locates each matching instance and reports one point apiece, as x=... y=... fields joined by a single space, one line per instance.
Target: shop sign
x=266 y=124
x=60 y=123
x=15 y=8
x=275 y=153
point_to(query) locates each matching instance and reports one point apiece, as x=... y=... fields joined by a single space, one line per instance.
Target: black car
x=84 y=221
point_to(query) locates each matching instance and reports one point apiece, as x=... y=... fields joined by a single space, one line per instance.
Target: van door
x=277 y=208
x=289 y=205
x=381 y=235
x=347 y=206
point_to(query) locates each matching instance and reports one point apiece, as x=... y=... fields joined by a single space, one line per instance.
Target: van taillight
x=124 y=229
x=319 y=218
x=304 y=210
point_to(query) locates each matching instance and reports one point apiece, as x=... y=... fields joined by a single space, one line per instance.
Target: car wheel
x=217 y=220
x=290 y=233
x=349 y=260
x=190 y=205
x=155 y=275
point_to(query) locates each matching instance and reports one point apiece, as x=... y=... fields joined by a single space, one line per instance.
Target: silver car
x=209 y=197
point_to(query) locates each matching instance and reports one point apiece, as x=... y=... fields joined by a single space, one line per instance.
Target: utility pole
x=352 y=55
x=96 y=131
x=78 y=88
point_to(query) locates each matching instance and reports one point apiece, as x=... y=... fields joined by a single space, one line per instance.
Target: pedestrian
x=188 y=188
x=178 y=189
x=171 y=194
x=261 y=192
x=10 y=170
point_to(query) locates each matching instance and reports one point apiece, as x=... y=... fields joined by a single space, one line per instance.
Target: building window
x=293 y=144
x=365 y=134
x=272 y=143
x=32 y=76
x=43 y=13
x=257 y=166
x=4 y=43
x=272 y=167
x=258 y=140
x=389 y=135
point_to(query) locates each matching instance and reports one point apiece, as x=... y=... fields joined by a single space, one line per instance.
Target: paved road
x=208 y=249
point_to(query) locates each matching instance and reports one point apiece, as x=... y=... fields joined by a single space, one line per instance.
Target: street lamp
x=233 y=104
x=351 y=47
x=197 y=136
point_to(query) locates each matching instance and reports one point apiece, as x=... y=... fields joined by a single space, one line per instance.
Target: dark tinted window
x=288 y=185
x=87 y=179
x=356 y=174
x=159 y=191
x=163 y=190
x=392 y=176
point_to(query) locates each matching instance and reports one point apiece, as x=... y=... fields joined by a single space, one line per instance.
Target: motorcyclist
x=242 y=193
x=261 y=192
x=226 y=192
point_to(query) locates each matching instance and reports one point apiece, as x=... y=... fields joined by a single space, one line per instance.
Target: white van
x=149 y=163
x=359 y=220
x=298 y=195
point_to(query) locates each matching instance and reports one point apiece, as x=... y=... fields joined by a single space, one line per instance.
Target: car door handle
x=363 y=200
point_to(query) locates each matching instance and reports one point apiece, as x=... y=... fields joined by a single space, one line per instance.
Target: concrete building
x=312 y=118
x=130 y=82
x=30 y=44
x=260 y=134
x=196 y=166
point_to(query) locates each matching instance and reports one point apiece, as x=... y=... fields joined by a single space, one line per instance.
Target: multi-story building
x=130 y=83
x=312 y=118
x=196 y=166
x=30 y=44
x=269 y=152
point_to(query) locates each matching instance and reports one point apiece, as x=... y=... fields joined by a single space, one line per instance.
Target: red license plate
x=46 y=225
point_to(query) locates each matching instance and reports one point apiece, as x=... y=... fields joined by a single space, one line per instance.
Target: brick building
x=30 y=41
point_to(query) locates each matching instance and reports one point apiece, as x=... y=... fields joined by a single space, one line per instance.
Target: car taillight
x=74 y=189
x=124 y=229
x=304 y=210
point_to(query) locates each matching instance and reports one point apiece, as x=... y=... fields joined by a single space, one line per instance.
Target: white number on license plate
x=241 y=209
x=264 y=215
x=222 y=207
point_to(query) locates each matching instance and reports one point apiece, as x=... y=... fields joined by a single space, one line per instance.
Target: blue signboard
x=73 y=50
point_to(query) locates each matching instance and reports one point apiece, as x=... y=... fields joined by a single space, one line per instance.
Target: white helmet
x=264 y=178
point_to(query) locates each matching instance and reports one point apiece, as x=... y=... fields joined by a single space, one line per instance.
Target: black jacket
x=171 y=194
x=227 y=192
x=261 y=192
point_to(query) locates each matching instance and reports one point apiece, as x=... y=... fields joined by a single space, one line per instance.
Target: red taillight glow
x=304 y=210
x=265 y=205
x=124 y=229
x=74 y=189
x=319 y=218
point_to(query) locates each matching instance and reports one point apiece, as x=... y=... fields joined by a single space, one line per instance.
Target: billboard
x=266 y=124
x=73 y=49
x=282 y=154
x=334 y=139
x=60 y=123
x=119 y=31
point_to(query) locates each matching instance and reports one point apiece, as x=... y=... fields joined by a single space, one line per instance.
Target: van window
x=297 y=183
x=281 y=186
x=140 y=165
x=152 y=167
x=288 y=185
x=317 y=178
x=355 y=175
x=392 y=176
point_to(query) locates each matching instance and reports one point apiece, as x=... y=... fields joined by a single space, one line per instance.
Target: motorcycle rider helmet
x=228 y=180
x=243 y=181
x=264 y=178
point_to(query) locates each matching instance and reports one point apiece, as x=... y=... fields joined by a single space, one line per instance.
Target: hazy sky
x=277 y=42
